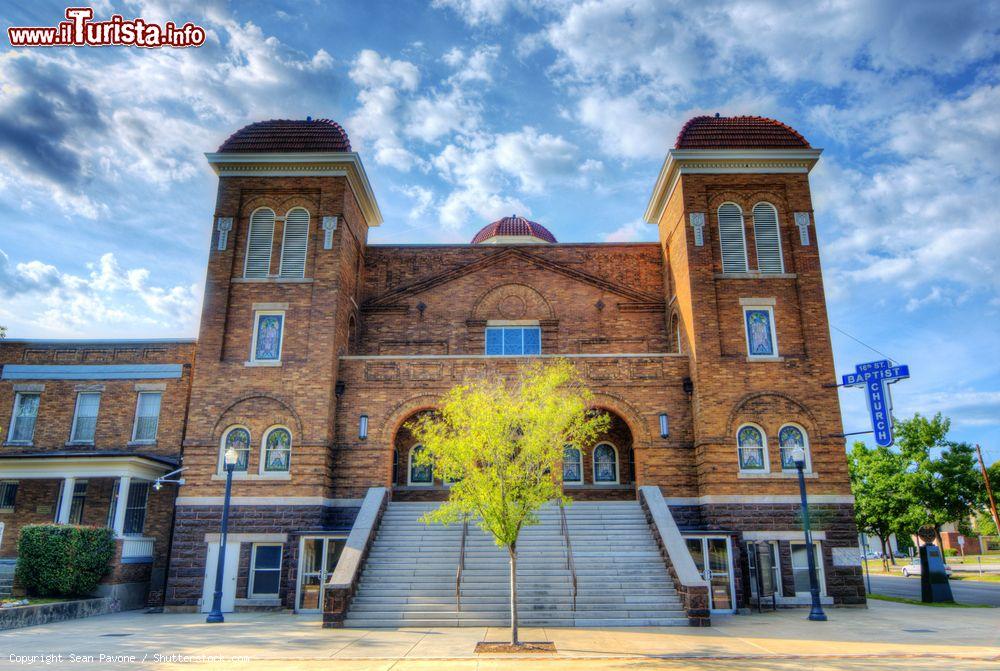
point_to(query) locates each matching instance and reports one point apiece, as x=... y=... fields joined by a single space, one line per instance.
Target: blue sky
x=467 y=110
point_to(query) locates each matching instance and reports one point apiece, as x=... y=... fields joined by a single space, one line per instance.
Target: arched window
x=277 y=450
x=238 y=438
x=259 y=241
x=421 y=475
x=767 y=238
x=605 y=464
x=675 y=334
x=752 y=446
x=791 y=437
x=732 y=238
x=294 y=243
x=572 y=466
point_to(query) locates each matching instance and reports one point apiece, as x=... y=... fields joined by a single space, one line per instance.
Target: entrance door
x=228 y=577
x=713 y=558
x=318 y=556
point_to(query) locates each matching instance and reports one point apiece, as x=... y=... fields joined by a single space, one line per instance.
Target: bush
x=950 y=552
x=63 y=560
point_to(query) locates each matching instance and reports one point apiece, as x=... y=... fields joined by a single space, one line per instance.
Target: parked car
x=913 y=568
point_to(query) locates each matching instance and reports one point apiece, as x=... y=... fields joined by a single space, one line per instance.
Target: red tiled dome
x=513 y=226
x=738 y=132
x=288 y=135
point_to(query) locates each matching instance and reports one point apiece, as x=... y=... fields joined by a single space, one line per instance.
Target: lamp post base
x=817 y=617
x=216 y=616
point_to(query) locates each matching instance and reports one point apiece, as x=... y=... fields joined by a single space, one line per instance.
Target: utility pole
x=989 y=490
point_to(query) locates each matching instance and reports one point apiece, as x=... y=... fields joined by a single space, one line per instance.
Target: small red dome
x=738 y=132
x=514 y=227
x=288 y=135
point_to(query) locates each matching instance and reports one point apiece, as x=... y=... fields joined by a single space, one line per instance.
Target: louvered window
x=294 y=243
x=767 y=239
x=260 y=239
x=732 y=239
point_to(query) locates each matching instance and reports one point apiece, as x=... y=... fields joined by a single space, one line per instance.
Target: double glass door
x=713 y=558
x=318 y=556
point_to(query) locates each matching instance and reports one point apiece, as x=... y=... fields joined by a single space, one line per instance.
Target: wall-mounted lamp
x=363 y=427
x=338 y=388
x=688 y=386
x=664 y=426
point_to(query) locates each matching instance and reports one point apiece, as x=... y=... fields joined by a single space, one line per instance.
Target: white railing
x=136 y=548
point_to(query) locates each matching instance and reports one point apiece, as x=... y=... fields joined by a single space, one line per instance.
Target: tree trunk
x=513 y=594
x=885 y=562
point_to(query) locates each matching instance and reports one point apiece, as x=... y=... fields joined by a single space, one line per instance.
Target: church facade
x=709 y=349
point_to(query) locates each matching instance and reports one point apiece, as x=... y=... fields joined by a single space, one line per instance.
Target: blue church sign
x=875 y=377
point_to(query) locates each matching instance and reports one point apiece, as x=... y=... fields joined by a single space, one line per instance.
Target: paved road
x=965 y=591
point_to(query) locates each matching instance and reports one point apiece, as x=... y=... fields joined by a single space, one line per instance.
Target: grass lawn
x=917 y=602
x=968 y=575
x=36 y=601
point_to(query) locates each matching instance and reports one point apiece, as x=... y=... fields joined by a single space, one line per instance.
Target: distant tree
x=944 y=479
x=983 y=525
x=500 y=443
x=3 y=331
x=882 y=504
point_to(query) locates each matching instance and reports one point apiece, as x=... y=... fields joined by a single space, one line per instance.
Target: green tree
x=3 y=331
x=944 y=476
x=500 y=442
x=882 y=505
x=984 y=525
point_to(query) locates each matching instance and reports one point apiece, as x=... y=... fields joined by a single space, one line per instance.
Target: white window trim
x=262 y=467
x=284 y=237
x=746 y=334
x=13 y=417
x=593 y=465
x=820 y=571
x=776 y=548
x=743 y=233
x=805 y=438
x=221 y=467
x=766 y=457
x=135 y=419
x=253 y=570
x=409 y=469
x=511 y=325
x=777 y=226
x=270 y=253
x=579 y=459
x=281 y=338
x=76 y=415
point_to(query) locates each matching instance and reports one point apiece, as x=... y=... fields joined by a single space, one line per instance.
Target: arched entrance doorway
x=605 y=470
x=410 y=480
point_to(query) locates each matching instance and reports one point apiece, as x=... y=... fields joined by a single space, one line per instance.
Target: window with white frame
x=85 y=417
x=22 y=422
x=513 y=340
x=420 y=474
x=732 y=238
x=572 y=465
x=800 y=568
x=268 y=332
x=135 y=508
x=277 y=450
x=237 y=438
x=605 y=464
x=294 y=243
x=265 y=570
x=8 y=495
x=752 y=447
x=758 y=322
x=791 y=437
x=147 y=417
x=767 y=238
x=260 y=239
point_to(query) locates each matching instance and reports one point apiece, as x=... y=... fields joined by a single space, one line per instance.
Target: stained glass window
x=572 y=465
x=760 y=339
x=267 y=343
x=420 y=474
x=277 y=450
x=751 y=449
x=239 y=440
x=513 y=340
x=789 y=438
x=605 y=464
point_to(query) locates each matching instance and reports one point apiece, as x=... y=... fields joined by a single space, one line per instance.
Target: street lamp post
x=216 y=615
x=816 y=612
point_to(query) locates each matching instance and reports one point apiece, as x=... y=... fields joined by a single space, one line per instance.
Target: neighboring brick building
x=710 y=350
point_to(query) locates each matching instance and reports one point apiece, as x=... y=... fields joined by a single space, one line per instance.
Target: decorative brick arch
x=771 y=197
x=223 y=422
x=631 y=416
x=403 y=411
x=738 y=197
x=512 y=301
x=784 y=409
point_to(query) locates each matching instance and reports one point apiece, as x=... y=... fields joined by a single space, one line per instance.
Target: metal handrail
x=461 y=564
x=570 y=565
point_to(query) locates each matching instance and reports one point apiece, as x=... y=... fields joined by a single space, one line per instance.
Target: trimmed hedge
x=63 y=560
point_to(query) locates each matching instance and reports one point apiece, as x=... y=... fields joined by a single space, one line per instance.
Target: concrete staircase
x=409 y=578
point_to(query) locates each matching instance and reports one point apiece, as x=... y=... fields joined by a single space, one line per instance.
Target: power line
x=861 y=342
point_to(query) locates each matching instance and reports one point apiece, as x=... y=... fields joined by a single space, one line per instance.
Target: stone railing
x=137 y=549
x=691 y=585
x=344 y=581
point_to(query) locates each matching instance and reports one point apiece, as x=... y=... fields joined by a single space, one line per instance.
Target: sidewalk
x=886 y=635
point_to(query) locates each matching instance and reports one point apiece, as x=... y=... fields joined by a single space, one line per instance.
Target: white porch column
x=124 y=482
x=66 y=500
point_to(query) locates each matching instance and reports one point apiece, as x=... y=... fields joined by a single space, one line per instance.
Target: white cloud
x=633 y=231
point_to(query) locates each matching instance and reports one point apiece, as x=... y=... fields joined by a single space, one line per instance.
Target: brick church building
x=709 y=349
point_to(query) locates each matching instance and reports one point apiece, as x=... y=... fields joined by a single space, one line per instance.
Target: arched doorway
x=604 y=470
x=412 y=481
